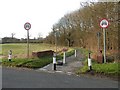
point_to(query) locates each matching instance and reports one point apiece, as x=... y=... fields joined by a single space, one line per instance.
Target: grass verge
x=109 y=69
x=105 y=69
x=29 y=63
x=35 y=62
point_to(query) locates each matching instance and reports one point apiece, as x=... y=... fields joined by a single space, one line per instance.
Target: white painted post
x=64 y=57
x=75 y=53
x=54 y=61
x=10 y=55
x=89 y=62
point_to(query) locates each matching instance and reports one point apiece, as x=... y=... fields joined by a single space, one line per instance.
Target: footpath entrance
x=72 y=64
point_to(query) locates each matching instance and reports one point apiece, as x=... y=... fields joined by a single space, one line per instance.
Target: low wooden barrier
x=43 y=53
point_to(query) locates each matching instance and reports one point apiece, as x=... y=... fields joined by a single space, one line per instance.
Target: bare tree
x=12 y=35
x=79 y=28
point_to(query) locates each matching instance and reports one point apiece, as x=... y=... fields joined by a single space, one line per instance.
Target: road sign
x=27 y=26
x=104 y=23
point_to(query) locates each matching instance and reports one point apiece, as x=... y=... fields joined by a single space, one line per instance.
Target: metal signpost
x=98 y=35
x=27 y=26
x=104 y=24
x=56 y=36
x=56 y=42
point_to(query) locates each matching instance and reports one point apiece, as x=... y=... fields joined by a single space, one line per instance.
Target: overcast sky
x=42 y=14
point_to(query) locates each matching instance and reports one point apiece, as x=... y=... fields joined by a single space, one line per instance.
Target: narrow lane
x=18 y=78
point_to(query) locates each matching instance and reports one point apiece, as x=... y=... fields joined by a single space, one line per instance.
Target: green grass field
x=20 y=49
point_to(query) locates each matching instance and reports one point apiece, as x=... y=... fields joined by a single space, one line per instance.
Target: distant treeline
x=15 y=40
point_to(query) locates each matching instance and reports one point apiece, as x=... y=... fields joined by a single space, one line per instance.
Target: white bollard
x=89 y=62
x=54 y=61
x=10 y=55
x=75 y=53
x=64 y=57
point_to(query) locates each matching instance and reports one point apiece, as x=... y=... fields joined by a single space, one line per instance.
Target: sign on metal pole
x=104 y=24
x=27 y=27
x=98 y=35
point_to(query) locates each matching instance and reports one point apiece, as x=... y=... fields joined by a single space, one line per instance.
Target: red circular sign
x=104 y=23
x=27 y=25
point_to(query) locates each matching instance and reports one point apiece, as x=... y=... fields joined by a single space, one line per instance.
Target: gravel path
x=72 y=63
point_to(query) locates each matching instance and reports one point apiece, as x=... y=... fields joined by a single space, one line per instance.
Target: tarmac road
x=21 y=78
x=0 y=77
